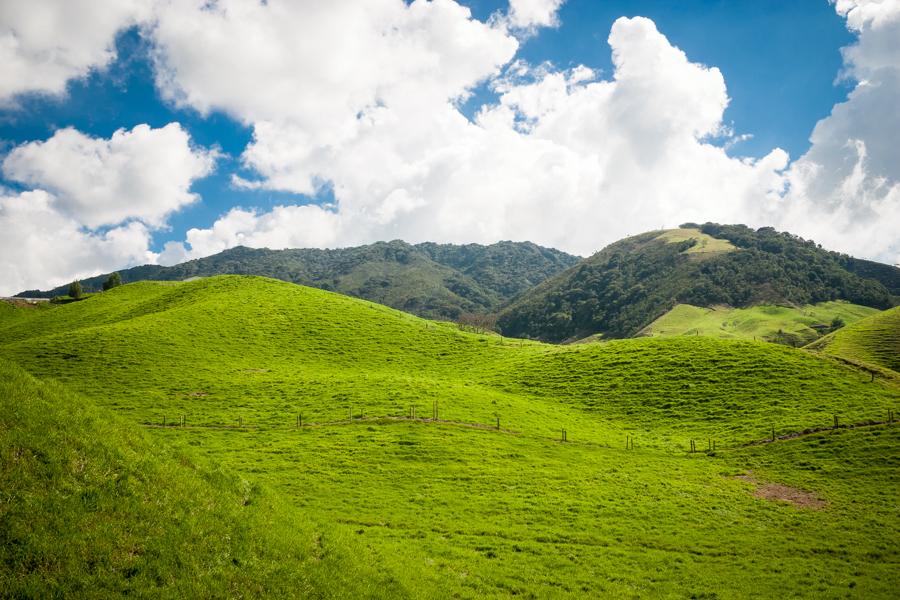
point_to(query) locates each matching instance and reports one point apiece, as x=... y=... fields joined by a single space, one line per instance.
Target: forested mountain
x=630 y=283
x=431 y=280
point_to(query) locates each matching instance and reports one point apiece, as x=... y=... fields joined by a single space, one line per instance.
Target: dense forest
x=431 y=280
x=627 y=285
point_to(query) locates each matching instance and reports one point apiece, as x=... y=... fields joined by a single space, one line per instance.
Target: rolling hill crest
x=430 y=280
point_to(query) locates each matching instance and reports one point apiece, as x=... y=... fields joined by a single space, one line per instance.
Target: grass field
x=458 y=507
x=780 y=324
x=874 y=341
x=706 y=244
x=92 y=507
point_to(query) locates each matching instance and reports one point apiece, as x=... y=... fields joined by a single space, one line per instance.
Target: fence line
x=629 y=439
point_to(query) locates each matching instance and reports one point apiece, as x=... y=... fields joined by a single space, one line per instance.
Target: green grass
x=447 y=509
x=706 y=244
x=874 y=341
x=92 y=507
x=781 y=324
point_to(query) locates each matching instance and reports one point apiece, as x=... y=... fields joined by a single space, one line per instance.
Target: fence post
x=773 y=434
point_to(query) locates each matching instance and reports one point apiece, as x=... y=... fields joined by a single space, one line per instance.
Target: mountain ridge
x=428 y=279
x=630 y=283
x=550 y=295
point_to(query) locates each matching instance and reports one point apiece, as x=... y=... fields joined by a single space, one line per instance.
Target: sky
x=158 y=131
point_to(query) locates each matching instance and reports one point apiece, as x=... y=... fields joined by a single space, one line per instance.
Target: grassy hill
x=93 y=507
x=432 y=280
x=457 y=506
x=779 y=324
x=626 y=286
x=874 y=341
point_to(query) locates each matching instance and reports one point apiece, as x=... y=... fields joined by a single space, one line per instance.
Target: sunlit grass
x=450 y=509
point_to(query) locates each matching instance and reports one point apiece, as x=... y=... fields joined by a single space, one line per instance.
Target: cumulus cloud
x=530 y=14
x=845 y=191
x=94 y=202
x=321 y=66
x=140 y=174
x=45 y=43
x=364 y=97
x=562 y=159
x=42 y=247
x=283 y=227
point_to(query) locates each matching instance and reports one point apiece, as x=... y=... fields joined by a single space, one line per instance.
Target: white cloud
x=140 y=174
x=131 y=182
x=43 y=248
x=529 y=14
x=45 y=43
x=562 y=160
x=322 y=67
x=365 y=97
x=283 y=227
x=845 y=191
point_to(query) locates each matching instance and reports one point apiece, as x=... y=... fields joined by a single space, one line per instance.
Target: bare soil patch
x=784 y=493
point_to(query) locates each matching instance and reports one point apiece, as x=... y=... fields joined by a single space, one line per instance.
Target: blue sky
x=780 y=61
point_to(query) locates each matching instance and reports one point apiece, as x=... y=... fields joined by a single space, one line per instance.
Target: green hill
x=872 y=341
x=93 y=507
x=432 y=280
x=626 y=286
x=779 y=324
x=461 y=507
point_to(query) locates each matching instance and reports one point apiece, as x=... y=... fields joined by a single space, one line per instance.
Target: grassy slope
x=770 y=323
x=92 y=507
x=459 y=510
x=705 y=244
x=872 y=341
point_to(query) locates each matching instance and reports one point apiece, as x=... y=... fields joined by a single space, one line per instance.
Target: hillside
x=873 y=341
x=794 y=326
x=629 y=284
x=92 y=507
x=468 y=506
x=432 y=280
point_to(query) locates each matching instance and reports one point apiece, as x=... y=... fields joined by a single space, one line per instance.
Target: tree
x=114 y=280
x=75 y=290
x=477 y=323
x=837 y=323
